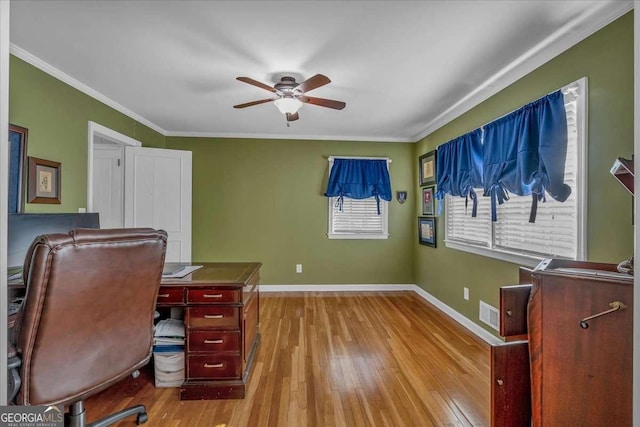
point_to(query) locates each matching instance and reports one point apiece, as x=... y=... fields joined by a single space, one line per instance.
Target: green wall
x=261 y=200
x=57 y=117
x=606 y=59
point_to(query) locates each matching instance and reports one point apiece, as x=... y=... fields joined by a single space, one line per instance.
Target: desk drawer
x=213 y=366
x=213 y=317
x=214 y=341
x=170 y=296
x=212 y=296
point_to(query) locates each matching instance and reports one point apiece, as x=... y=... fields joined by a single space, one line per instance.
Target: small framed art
x=427 y=231
x=428 y=202
x=428 y=168
x=44 y=181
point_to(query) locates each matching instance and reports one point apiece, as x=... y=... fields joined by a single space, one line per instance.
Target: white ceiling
x=404 y=68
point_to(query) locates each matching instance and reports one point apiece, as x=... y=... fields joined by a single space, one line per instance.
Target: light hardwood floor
x=338 y=359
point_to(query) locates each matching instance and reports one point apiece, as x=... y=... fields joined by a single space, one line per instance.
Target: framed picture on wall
x=17 y=162
x=427 y=231
x=427 y=165
x=428 y=202
x=44 y=181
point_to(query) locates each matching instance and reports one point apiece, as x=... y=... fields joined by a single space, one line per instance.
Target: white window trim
x=529 y=260
x=384 y=210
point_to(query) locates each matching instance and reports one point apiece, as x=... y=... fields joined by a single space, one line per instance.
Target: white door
x=158 y=195
x=108 y=181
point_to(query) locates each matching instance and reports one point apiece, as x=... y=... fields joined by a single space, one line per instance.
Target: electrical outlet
x=466 y=293
x=298 y=268
x=82 y=210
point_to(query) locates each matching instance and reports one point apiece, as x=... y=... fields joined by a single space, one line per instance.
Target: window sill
x=358 y=236
x=516 y=258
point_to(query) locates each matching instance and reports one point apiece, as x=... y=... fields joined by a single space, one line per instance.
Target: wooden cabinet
x=581 y=373
x=574 y=366
x=221 y=314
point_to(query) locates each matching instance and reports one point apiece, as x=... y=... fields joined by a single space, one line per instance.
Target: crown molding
x=566 y=37
x=290 y=136
x=76 y=84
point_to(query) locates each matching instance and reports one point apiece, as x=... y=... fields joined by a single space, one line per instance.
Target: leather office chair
x=87 y=318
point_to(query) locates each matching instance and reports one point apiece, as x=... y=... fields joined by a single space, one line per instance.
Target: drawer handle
x=213 y=341
x=615 y=306
x=213 y=295
x=215 y=365
x=213 y=316
x=164 y=296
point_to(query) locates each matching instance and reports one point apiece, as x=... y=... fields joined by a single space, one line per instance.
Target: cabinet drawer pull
x=615 y=306
x=212 y=295
x=213 y=316
x=164 y=296
x=215 y=365
x=213 y=341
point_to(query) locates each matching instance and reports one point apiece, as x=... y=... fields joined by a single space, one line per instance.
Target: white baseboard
x=335 y=288
x=461 y=319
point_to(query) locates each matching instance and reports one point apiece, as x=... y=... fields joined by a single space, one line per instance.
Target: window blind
x=556 y=230
x=358 y=216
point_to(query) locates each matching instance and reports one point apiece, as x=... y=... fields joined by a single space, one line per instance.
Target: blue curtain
x=359 y=179
x=525 y=153
x=460 y=168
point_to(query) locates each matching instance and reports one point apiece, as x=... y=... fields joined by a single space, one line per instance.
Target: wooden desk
x=221 y=319
x=222 y=306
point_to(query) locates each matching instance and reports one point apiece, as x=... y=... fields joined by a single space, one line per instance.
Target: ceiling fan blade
x=292 y=117
x=249 y=104
x=313 y=83
x=256 y=83
x=329 y=103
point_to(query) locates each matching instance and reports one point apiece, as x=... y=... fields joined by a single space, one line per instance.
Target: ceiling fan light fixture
x=288 y=105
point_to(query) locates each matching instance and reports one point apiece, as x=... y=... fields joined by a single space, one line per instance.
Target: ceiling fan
x=290 y=95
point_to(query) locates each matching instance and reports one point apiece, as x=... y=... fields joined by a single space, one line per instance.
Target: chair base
x=76 y=417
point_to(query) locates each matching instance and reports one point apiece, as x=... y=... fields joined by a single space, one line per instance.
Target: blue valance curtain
x=523 y=153
x=359 y=179
x=460 y=168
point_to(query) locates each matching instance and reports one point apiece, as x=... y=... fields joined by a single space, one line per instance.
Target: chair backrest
x=87 y=318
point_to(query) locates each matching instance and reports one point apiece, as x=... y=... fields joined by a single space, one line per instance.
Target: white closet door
x=108 y=178
x=158 y=195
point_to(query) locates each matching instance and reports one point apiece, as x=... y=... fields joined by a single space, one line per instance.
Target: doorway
x=105 y=172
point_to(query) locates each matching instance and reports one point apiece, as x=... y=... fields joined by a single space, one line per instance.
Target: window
x=559 y=228
x=358 y=218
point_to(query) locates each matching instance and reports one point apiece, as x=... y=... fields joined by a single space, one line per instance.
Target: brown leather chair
x=87 y=318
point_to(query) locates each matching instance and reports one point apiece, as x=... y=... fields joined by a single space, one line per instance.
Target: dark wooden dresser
x=567 y=359
x=221 y=304
x=581 y=368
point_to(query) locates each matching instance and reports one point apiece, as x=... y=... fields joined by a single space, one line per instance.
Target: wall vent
x=490 y=315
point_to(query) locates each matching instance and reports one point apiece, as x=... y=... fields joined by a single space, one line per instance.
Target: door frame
x=97 y=130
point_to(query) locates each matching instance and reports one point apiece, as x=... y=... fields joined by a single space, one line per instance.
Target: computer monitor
x=22 y=229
